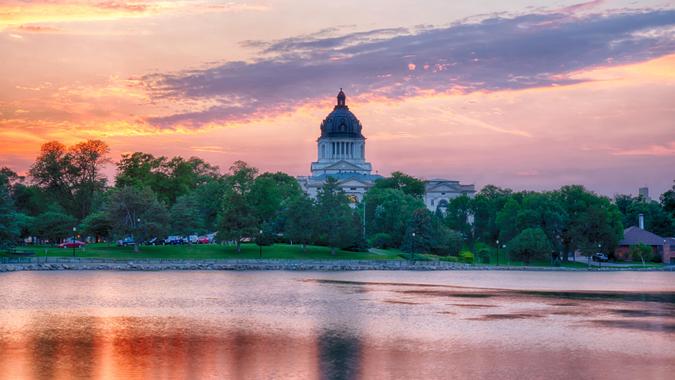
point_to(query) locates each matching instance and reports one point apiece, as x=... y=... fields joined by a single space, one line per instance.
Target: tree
x=531 y=243
x=507 y=220
x=97 y=224
x=9 y=223
x=339 y=225
x=301 y=221
x=421 y=224
x=458 y=216
x=388 y=211
x=54 y=224
x=185 y=216
x=668 y=201
x=168 y=178
x=238 y=219
x=592 y=220
x=136 y=212
x=486 y=205
x=401 y=181
x=72 y=176
x=642 y=252
x=270 y=195
x=656 y=218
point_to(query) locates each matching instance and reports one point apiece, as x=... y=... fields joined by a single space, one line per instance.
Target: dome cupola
x=341 y=122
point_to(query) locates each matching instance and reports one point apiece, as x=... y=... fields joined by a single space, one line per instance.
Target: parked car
x=174 y=240
x=126 y=241
x=193 y=239
x=203 y=240
x=154 y=241
x=599 y=257
x=72 y=244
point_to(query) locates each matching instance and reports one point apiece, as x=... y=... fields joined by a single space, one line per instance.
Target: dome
x=341 y=122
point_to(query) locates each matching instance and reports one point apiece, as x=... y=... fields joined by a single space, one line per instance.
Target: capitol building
x=341 y=154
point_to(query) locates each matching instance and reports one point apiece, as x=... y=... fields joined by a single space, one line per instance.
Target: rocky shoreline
x=61 y=264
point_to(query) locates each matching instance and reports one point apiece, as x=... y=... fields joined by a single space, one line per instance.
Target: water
x=349 y=325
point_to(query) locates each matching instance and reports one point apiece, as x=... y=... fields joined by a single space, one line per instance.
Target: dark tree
x=530 y=244
x=401 y=181
x=137 y=212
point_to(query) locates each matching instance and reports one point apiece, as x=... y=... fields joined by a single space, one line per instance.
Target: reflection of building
x=341 y=154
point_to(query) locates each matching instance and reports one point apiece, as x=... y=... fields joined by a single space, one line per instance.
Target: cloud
x=657 y=150
x=493 y=54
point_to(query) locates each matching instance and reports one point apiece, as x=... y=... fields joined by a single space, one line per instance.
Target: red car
x=203 y=240
x=72 y=244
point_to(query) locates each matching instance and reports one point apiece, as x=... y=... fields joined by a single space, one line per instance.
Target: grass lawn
x=209 y=251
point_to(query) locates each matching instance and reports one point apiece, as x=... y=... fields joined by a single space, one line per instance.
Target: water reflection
x=321 y=326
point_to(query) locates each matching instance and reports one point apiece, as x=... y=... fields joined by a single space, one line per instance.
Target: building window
x=442 y=193
x=432 y=202
x=352 y=188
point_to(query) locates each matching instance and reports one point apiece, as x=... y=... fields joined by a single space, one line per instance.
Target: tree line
x=154 y=196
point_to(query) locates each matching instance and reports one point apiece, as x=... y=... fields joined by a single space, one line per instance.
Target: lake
x=337 y=325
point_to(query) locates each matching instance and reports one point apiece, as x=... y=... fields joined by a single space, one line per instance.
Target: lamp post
x=412 y=251
x=260 y=245
x=599 y=258
x=497 y=252
x=508 y=256
x=73 y=241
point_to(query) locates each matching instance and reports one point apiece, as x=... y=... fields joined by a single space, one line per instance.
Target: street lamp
x=599 y=258
x=497 y=252
x=73 y=241
x=412 y=251
x=260 y=245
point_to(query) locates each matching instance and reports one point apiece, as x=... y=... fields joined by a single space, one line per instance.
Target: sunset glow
x=528 y=96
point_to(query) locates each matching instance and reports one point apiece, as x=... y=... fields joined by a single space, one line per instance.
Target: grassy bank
x=209 y=251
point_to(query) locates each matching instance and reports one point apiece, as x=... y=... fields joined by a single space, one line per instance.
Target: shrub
x=641 y=252
x=466 y=257
x=381 y=240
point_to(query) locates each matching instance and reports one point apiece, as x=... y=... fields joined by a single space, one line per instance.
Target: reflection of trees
x=57 y=348
x=339 y=355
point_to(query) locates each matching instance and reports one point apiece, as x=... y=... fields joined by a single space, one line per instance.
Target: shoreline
x=154 y=265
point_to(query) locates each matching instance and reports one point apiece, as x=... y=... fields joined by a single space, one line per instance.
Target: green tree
x=388 y=211
x=301 y=221
x=185 y=216
x=9 y=223
x=54 y=225
x=421 y=224
x=641 y=252
x=530 y=244
x=168 y=178
x=668 y=201
x=238 y=218
x=656 y=218
x=592 y=220
x=401 y=181
x=339 y=225
x=507 y=220
x=458 y=216
x=72 y=176
x=486 y=205
x=98 y=225
x=136 y=212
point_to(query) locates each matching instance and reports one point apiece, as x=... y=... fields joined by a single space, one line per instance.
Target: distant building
x=643 y=193
x=341 y=154
x=438 y=192
x=663 y=247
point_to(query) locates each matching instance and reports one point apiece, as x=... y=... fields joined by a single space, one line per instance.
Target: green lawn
x=210 y=251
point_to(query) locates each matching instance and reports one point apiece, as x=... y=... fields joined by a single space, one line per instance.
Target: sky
x=521 y=94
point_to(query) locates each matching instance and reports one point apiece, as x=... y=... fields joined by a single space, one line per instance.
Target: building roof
x=341 y=122
x=347 y=175
x=635 y=235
